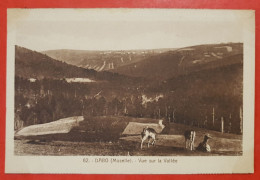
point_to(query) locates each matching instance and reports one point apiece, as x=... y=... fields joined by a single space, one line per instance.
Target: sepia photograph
x=121 y=87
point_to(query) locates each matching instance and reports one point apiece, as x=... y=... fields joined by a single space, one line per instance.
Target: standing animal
x=189 y=139
x=148 y=133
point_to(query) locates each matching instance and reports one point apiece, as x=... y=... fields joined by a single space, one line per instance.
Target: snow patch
x=229 y=48
x=135 y=127
x=32 y=79
x=197 y=61
x=112 y=65
x=80 y=80
x=97 y=68
x=213 y=54
x=186 y=49
x=103 y=66
x=181 y=60
x=55 y=127
x=145 y=99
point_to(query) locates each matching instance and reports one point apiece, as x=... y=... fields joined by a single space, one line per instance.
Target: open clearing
x=120 y=148
x=171 y=144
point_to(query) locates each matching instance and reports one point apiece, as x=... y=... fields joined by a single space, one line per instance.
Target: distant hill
x=102 y=60
x=32 y=64
x=184 y=61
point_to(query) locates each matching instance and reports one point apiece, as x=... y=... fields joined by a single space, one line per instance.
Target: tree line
x=48 y=100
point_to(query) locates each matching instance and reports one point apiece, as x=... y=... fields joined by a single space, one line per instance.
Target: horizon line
x=131 y=49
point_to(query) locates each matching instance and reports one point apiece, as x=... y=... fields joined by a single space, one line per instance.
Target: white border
x=185 y=165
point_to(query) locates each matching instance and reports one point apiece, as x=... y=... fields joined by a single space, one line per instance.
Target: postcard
x=130 y=91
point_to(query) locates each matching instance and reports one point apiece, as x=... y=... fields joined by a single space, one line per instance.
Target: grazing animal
x=189 y=139
x=204 y=146
x=148 y=133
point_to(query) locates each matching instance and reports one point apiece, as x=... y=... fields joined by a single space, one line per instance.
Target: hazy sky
x=116 y=29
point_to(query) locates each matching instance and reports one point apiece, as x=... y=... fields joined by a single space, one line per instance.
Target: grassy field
x=170 y=144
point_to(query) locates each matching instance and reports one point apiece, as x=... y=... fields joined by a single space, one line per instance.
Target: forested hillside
x=188 y=93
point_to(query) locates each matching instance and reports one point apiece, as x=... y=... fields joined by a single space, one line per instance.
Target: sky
x=123 y=29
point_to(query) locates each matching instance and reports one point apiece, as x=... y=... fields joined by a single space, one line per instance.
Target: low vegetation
x=104 y=143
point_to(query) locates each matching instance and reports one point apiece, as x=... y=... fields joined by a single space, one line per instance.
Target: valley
x=198 y=86
x=102 y=60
